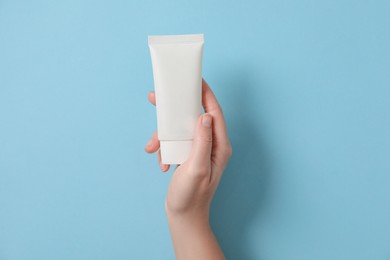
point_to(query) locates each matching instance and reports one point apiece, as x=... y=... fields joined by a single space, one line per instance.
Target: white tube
x=177 y=73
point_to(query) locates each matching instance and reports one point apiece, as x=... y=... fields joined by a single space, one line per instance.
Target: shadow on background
x=240 y=196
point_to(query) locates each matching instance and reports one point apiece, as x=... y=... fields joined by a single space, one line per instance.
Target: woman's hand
x=194 y=182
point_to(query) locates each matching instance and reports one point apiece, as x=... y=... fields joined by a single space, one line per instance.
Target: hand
x=194 y=182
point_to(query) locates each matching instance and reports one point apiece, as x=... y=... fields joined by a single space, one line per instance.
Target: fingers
x=211 y=106
x=209 y=100
x=153 y=144
x=163 y=167
x=199 y=160
x=152 y=98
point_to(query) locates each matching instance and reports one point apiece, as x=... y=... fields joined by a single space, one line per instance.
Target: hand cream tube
x=177 y=73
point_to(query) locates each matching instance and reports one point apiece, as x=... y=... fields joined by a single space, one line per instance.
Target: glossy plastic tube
x=177 y=73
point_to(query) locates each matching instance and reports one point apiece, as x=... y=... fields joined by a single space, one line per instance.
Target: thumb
x=201 y=147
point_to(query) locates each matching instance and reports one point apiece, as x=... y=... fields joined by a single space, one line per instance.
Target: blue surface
x=305 y=87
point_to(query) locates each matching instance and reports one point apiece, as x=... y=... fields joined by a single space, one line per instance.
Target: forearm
x=193 y=238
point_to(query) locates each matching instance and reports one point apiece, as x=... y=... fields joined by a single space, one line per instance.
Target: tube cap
x=175 y=152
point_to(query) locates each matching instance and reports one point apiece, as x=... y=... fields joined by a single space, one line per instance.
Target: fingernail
x=206 y=120
x=148 y=144
x=162 y=166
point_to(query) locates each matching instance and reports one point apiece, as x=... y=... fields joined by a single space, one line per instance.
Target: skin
x=194 y=182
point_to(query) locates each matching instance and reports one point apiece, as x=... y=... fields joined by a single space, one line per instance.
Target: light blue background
x=305 y=88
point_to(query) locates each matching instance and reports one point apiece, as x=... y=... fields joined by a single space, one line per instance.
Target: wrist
x=196 y=213
x=192 y=236
x=191 y=218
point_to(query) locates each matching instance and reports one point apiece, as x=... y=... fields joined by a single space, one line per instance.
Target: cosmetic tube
x=177 y=74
